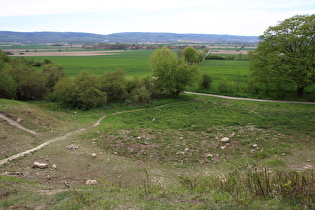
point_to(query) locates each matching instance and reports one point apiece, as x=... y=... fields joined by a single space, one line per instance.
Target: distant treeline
x=124 y=46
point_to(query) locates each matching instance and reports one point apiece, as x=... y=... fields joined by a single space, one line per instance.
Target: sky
x=233 y=17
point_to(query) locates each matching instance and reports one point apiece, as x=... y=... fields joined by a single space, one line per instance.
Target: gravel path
x=249 y=99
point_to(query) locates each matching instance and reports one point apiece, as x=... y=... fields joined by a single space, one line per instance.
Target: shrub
x=205 y=81
x=8 y=86
x=115 y=85
x=82 y=92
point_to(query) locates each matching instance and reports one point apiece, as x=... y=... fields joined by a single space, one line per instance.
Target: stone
x=90 y=182
x=225 y=139
x=252 y=151
x=255 y=145
x=40 y=165
x=73 y=146
x=94 y=155
x=223 y=147
x=54 y=167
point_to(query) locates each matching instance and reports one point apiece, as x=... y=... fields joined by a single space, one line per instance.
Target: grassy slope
x=141 y=155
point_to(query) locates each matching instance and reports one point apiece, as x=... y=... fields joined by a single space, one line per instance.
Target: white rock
x=94 y=155
x=186 y=149
x=91 y=182
x=40 y=165
x=255 y=145
x=54 y=167
x=252 y=151
x=225 y=139
x=223 y=147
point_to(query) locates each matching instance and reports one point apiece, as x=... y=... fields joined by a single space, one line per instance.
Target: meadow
x=169 y=154
x=133 y=63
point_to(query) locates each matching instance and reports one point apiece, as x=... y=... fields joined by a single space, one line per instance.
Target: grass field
x=134 y=63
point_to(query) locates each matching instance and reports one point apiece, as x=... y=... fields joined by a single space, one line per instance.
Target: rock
x=223 y=147
x=54 y=167
x=40 y=165
x=181 y=138
x=73 y=146
x=209 y=155
x=225 y=139
x=283 y=154
x=252 y=151
x=186 y=149
x=153 y=119
x=94 y=155
x=90 y=182
x=255 y=145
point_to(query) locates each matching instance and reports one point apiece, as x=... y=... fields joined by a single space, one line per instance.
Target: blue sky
x=234 y=17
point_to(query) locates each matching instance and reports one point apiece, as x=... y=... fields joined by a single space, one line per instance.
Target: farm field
x=133 y=63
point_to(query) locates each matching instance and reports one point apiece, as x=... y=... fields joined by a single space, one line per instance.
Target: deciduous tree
x=173 y=74
x=286 y=54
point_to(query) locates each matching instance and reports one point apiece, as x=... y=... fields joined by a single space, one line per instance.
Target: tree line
x=19 y=79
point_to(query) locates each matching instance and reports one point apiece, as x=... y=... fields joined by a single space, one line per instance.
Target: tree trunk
x=300 y=91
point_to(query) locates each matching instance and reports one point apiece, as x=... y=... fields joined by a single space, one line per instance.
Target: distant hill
x=128 y=37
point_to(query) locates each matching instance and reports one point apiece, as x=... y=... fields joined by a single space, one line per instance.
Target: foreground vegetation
x=169 y=154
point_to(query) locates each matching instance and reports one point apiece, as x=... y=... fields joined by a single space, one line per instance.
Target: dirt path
x=16 y=124
x=249 y=99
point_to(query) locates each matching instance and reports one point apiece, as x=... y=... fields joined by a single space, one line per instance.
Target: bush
x=142 y=90
x=205 y=81
x=115 y=85
x=82 y=92
x=8 y=86
x=52 y=73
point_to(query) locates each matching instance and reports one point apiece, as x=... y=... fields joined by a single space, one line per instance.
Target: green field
x=134 y=63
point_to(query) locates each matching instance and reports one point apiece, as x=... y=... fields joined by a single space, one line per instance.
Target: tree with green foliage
x=8 y=85
x=286 y=54
x=114 y=83
x=53 y=73
x=82 y=92
x=173 y=74
x=205 y=81
x=31 y=85
x=192 y=55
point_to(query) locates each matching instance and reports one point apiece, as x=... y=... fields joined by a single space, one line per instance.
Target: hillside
x=193 y=153
x=128 y=37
